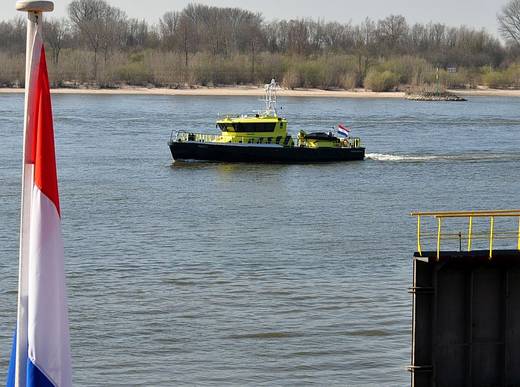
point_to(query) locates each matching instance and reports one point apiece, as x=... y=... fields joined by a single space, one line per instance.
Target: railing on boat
x=189 y=136
x=355 y=142
x=510 y=231
x=184 y=136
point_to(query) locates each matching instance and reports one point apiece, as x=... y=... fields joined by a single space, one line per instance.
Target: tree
x=509 y=22
x=86 y=16
x=13 y=35
x=57 y=32
x=168 y=28
x=338 y=37
x=298 y=36
x=101 y=25
x=392 y=31
x=246 y=33
x=364 y=48
x=186 y=33
x=138 y=34
x=178 y=32
x=113 y=31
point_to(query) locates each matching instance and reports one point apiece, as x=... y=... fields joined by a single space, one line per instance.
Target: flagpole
x=34 y=11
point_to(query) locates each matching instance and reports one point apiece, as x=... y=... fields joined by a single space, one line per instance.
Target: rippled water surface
x=221 y=274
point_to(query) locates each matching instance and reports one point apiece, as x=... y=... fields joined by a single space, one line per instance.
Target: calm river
x=221 y=274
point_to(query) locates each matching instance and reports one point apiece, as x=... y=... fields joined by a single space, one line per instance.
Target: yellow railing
x=491 y=235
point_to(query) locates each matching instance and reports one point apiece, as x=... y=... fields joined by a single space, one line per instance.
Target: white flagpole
x=34 y=11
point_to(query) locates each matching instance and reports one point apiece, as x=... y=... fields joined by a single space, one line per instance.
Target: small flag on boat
x=40 y=354
x=343 y=130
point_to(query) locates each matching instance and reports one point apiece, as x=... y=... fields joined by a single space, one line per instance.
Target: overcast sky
x=473 y=13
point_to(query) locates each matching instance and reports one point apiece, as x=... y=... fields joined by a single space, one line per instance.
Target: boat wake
x=388 y=157
x=439 y=158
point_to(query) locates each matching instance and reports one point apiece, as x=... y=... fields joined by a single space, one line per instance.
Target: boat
x=263 y=138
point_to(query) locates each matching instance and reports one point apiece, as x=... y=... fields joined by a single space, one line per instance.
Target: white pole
x=34 y=11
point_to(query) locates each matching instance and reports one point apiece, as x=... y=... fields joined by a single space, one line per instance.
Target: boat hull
x=187 y=150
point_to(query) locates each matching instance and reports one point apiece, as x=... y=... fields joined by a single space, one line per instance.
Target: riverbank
x=259 y=91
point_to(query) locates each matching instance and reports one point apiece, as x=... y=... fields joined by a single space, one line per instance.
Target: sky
x=472 y=13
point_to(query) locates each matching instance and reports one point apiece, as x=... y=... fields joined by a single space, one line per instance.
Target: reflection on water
x=238 y=274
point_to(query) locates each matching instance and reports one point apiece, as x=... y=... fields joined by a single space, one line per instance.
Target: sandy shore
x=256 y=91
x=219 y=91
x=487 y=93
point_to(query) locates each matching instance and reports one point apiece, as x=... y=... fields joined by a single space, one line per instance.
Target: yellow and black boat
x=263 y=137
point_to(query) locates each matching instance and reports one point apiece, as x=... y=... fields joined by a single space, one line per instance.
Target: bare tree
x=338 y=37
x=298 y=37
x=255 y=36
x=138 y=34
x=185 y=28
x=509 y=22
x=113 y=31
x=169 y=28
x=57 y=32
x=392 y=32
x=101 y=25
x=437 y=34
x=364 y=48
x=87 y=18
x=13 y=35
x=418 y=38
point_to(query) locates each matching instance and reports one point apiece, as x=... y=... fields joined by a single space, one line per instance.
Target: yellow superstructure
x=254 y=130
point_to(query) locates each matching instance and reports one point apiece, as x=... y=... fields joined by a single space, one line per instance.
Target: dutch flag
x=343 y=130
x=40 y=354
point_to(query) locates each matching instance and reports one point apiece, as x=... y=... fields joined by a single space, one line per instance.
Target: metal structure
x=491 y=235
x=466 y=302
x=270 y=98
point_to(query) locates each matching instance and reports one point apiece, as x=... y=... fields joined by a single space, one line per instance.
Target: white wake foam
x=387 y=157
x=457 y=157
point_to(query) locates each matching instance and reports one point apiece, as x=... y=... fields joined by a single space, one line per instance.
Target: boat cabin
x=254 y=129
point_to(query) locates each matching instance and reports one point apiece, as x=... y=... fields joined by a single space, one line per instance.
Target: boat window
x=223 y=127
x=269 y=127
x=254 y=127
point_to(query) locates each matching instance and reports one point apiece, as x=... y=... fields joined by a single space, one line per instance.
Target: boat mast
x=270 y=98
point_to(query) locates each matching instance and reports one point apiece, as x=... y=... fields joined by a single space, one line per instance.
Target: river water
x=221 y=274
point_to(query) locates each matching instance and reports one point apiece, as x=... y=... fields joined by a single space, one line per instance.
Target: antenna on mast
x=270 y=98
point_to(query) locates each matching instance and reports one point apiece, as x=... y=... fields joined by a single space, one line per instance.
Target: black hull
x=261 y=154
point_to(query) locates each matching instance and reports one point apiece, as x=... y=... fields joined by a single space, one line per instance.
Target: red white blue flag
x=343 y=130
x=41 y=351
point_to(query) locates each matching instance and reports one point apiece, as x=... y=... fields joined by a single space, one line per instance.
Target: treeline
x=99 y=45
